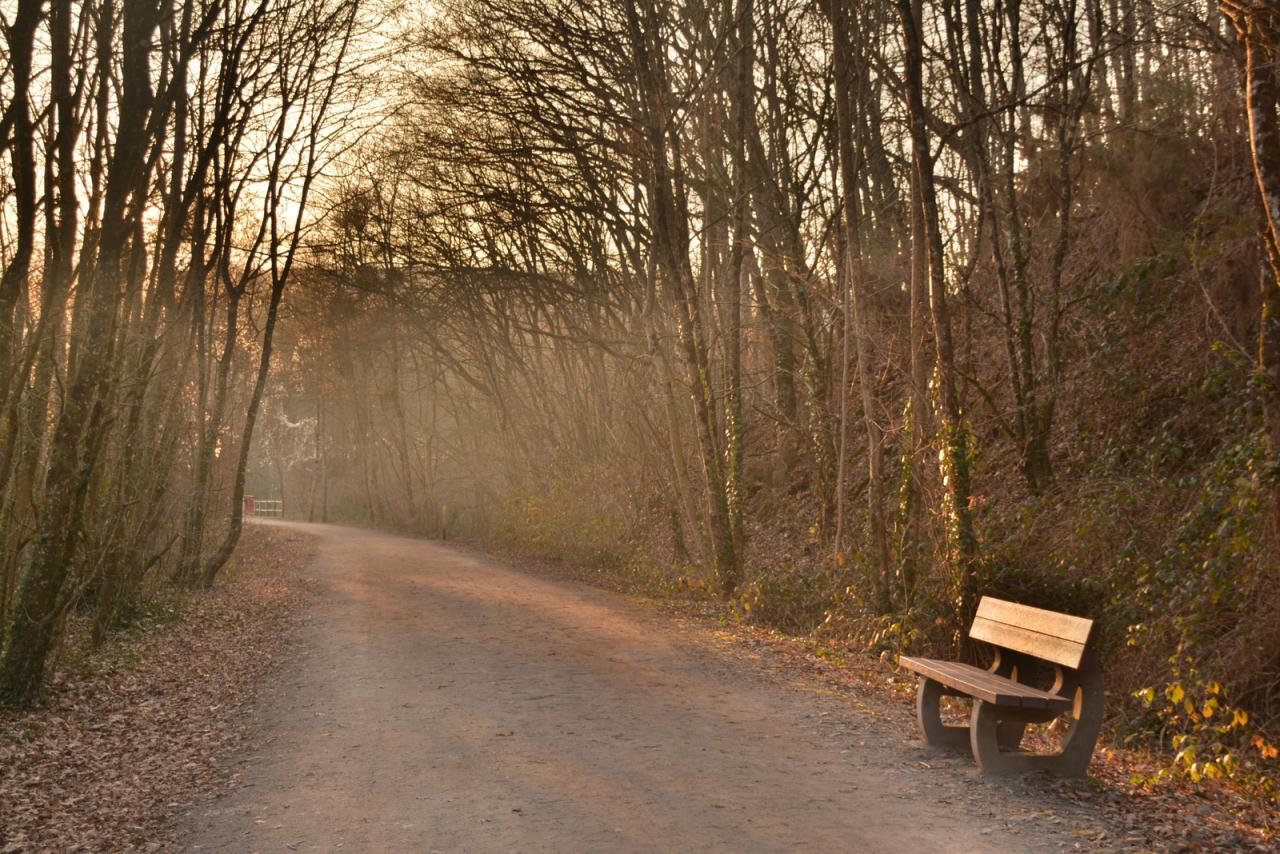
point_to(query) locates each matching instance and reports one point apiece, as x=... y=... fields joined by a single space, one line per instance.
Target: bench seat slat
x=985 y=685
x=976 y=682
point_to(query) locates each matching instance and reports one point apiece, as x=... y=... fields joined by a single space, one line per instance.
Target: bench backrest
x=1055 y=637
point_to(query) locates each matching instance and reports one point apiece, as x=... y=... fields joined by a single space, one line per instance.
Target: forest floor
x=441 y=700
x=131 y=734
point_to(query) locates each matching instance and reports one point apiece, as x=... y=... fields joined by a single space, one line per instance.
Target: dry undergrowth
x=130 y=735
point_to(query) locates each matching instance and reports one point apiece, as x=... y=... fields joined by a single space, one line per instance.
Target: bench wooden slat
x=988 y=686
x=1059 y=651
x=1058 y=625
x=985 y=685
x=976 y=683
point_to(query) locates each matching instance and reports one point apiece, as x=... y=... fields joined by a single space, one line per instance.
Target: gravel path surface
x=443 y=702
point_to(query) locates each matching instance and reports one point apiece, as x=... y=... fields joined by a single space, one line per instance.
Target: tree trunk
x=956 y=437
x=1257 y=25
x=669 y=222
x=78 y=433
x=863 y=318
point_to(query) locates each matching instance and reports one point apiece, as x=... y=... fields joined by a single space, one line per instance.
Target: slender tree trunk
x=669 y=219
x=18 y=123
x=742 y=102
x=956 y=436
x=1257 y=25
x=219 y=558
x=922 y=467
x=863 y=313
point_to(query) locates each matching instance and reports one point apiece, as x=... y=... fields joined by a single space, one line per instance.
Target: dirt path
x=441 y=702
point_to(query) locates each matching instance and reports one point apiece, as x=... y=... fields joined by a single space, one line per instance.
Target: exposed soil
x=441 y=701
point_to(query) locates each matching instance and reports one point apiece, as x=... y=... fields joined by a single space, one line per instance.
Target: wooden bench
x=1028 y=641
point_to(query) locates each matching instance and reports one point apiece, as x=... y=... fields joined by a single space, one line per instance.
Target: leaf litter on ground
x=131 y=735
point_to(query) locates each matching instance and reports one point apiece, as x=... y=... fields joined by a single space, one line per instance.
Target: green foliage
x=851 y=617
x=134 y=619
x=791 y=598
x=1211 y=738
x=560 y=525
x=159 y=607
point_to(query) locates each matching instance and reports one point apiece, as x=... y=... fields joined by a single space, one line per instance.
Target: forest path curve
x=440 y=701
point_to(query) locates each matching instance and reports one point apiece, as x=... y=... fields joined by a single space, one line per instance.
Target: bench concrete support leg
x=1086 y=723
x=929 y=717
x=985 y=725
x=989 y=743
